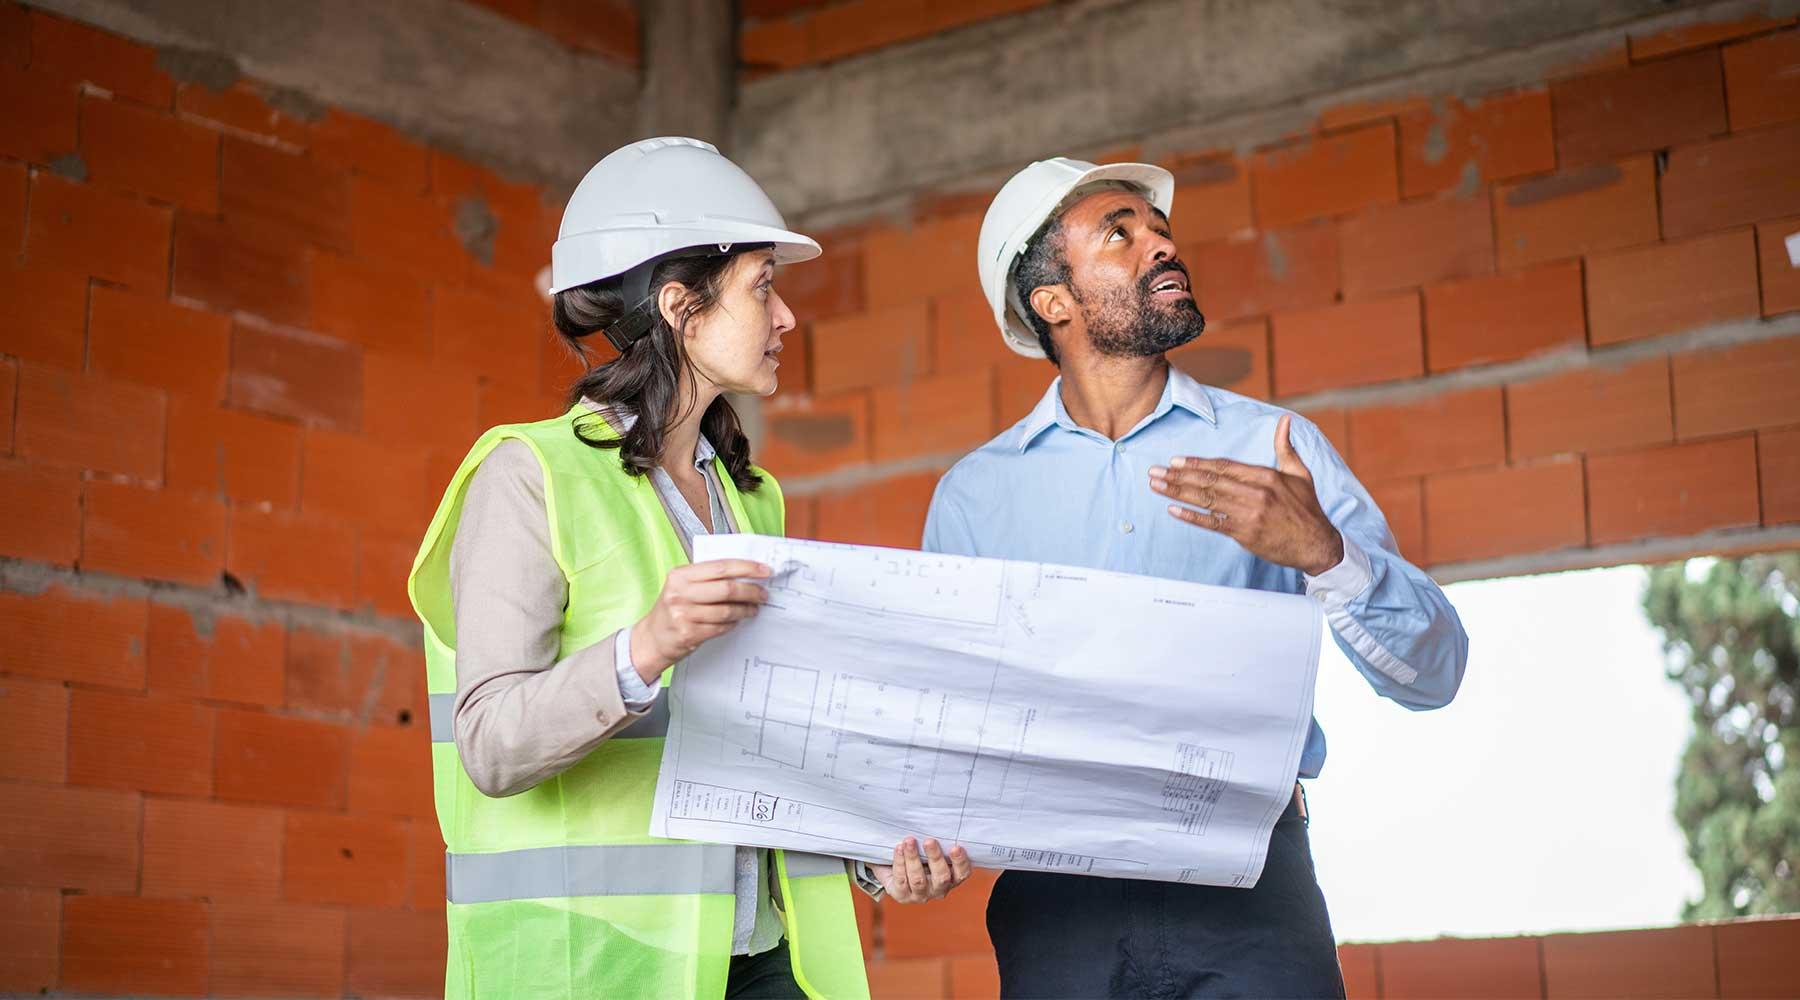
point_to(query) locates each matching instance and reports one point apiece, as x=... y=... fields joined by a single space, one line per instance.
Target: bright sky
x=1540 y=800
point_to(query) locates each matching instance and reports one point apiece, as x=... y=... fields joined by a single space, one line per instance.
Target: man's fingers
x=1205 y=490
x=1224 y=468
x=915 y=868
x=1225 y=525
x=960 y=865
x=940 y=866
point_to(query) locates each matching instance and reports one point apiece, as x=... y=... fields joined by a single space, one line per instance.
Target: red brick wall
x=241 y=350
x=785 y=34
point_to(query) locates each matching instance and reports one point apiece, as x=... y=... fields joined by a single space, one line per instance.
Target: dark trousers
x=768 y=975
x=1081 y=936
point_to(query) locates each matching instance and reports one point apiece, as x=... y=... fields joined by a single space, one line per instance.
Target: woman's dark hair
x=647 y=377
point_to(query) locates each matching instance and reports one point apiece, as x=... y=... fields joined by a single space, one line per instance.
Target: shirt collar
x=622 y=420
x=1180 y=390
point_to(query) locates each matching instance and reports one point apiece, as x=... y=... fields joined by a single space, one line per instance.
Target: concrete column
x=690 y=68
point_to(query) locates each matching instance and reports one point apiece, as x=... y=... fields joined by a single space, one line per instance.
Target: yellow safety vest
x=559 y=891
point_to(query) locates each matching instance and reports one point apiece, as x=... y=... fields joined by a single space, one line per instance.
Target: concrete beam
x=1083 y=76
x=690 y=69
x=450 y=73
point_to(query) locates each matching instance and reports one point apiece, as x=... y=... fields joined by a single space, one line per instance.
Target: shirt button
x=1124 y=527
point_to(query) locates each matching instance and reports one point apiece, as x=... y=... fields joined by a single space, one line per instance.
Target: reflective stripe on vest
x=442 y=708
x=591 y=870
x=808 y=865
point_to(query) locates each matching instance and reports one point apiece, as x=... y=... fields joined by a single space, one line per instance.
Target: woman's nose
x=779 y=311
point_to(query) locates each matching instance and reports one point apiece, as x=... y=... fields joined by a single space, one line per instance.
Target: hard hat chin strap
x=634 y=287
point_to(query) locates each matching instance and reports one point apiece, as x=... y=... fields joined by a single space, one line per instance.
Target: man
x=1128 y=464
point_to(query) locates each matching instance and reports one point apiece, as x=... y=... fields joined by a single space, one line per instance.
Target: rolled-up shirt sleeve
x=1392 y=620
x=523 y=715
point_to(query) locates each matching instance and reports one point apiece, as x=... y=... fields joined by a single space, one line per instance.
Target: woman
x=556 y=592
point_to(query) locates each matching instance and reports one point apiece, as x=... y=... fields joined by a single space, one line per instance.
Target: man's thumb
x=1286 y=458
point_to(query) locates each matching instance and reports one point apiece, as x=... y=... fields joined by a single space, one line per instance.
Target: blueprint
x=1043 y=717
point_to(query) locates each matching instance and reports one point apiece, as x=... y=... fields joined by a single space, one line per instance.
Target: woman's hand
x=920 y=875
x=699 y=601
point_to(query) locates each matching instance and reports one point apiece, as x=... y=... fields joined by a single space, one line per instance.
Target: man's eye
x=1119 y=232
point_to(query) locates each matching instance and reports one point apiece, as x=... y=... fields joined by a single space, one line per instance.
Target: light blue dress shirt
x=1050 y=491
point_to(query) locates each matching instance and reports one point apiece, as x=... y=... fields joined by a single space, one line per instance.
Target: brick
x=1591 y=409
x=1757 y=958
x=1212 y=200
x=486 y=334
x=150 y=152
x=368 y=677
x=1780 y=277
x=507 y=403
x=1778 y=458
x=43 y=313
x=802 y=516
x=1399 y=246
x=15 y=35
x=1605 y=206
x=1732 y=181
x=855 y=26
x=35 y=718
x=1670 y=287
x=261 y=186
x=425 y=867
x=196 y=653
x=974 y=978
x=9 y=397
x=232 y=454
x=1334 y=424
x=877 y=348
x=64 y=635
x=1279 y=270
x=114 y=944
x=86 y=229
x=385 y=563
x=956 y=924
x=964 y=334
x=354 y=860
x=945 y=413
x=809 y=436
x=310 y=379
x=277 y=760
x=349 y=478
x=390 y=772
x=1454 y=430
x=1700 y=34
x=1640 y=108
x=1762 y=77
x=41 y=116
x=371 y=304
x=1360 y=966
x=1737 y=388
x=56 y=837
x=81 y=54
x=1402 y=502
x=1232 y=356
x=293 y=557
x=241 y=108
x=912 y=978
x=397 y=953
x=153 y=342
x=15 y=180
x=90 y=422
x=767 y=46
x=40 y=514
x=1329 y=175
x=890 y=512
x=277 y=949
x=1021 y=385
x=1666 y=962
x=1485 y=513
x=1504 y=317
x=30 y=935
x=140 y=743
x=262 y=274
x=610 y=31
x=405 y=230
x=1679 y=489
x=1440 y=968
x=914 y=264
x=195 y=849
x=1356 y=343
x=155 y=534
x=352 y=142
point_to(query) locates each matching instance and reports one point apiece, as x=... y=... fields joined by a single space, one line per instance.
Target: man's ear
x=1052 y=303
x=671 y=299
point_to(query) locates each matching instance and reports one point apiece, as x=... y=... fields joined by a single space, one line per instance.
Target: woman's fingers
x=725 y=569
x=726 y=592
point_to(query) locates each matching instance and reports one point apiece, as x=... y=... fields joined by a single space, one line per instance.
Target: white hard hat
x=650 y=199
x=1022 y=207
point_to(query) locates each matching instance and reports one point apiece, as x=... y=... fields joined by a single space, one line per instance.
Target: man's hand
x=1272 y=512
x=920 y=875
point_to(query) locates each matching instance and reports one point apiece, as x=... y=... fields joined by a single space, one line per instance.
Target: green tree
x=1731 y=629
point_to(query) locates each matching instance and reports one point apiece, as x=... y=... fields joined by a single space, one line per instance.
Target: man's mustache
x=1156 y=274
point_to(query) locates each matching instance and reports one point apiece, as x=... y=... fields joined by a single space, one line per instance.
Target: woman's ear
x=671 y=301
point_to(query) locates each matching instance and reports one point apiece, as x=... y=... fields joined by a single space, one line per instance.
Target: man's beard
x=1129 y=323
